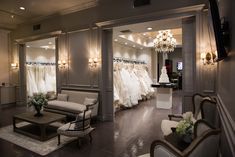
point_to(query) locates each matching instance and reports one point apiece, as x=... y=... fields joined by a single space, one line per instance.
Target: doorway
x=134 y=50
x=40 y=67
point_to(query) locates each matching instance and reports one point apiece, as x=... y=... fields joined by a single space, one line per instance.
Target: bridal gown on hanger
x=131 y=83
x=50 y=79
x=41 y=79
x=31 y=84
x=125 y=80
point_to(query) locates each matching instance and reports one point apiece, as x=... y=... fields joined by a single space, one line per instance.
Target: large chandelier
x=164 y=42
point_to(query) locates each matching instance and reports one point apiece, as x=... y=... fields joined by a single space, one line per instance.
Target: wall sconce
x=208 y=58
x=93 y=62
x=62 y=64
x=14 y=65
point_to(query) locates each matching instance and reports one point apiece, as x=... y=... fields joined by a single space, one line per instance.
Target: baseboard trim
x=228 y=124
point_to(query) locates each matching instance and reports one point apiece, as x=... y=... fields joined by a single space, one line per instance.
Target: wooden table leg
x=14 y=123
x=43 y=132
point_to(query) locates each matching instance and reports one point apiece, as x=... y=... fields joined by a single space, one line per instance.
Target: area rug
x=41 y=148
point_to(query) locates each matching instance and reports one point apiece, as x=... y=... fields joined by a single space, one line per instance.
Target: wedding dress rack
x=131 y=83
x=125 y=60
x=39 y=63
x=40 y=77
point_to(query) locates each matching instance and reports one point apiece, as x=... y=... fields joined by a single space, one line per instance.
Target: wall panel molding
x=227 y=123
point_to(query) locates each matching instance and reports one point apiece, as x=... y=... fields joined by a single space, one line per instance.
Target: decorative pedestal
x=163 y=95
x=164 y=98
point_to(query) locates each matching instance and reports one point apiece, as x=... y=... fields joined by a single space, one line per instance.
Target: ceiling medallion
x=164 y=42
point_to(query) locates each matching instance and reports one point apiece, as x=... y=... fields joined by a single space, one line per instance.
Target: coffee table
x=39 y=128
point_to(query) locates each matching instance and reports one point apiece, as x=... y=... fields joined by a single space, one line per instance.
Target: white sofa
x=77 y=102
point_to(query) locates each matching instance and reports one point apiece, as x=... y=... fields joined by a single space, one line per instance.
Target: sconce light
x=93 y=62
x=208 y=58
x=62 y=64
x=14 y=65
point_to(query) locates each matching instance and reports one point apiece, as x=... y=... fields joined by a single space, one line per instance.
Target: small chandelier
x=164 y=42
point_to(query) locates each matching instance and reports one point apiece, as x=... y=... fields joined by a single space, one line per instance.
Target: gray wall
x=226 y=84
x=123 y=51
x=79 y=49
x=40 y=55
x=4 y=56
x=76 y=49
x=226 y=71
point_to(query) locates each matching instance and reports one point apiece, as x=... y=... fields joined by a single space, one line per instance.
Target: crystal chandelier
x=164 y=42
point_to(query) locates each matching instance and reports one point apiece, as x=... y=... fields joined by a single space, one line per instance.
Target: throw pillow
x=62 y=97
x=51 y=95
x=89 y=101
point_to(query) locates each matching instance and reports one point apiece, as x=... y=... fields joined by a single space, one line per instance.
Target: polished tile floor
x=129 y=135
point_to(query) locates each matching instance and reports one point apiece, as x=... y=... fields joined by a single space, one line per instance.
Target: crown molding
x=179 y=12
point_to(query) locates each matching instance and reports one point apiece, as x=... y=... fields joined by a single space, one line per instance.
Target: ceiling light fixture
x=144 y=34
x=125 y=43
x=149 y=28
x=22 y=8
x=164 y=42
x=133 y=45
x=49 y=43
x=12 y=16
x=115 y=40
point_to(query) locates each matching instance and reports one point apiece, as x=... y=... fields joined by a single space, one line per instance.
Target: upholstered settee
x=71 y=103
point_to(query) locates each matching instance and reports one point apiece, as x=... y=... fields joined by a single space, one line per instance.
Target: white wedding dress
x=131 y=83
x=40 y=79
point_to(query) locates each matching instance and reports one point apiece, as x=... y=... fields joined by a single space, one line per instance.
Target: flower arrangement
x=38 y=100
x=185 y=127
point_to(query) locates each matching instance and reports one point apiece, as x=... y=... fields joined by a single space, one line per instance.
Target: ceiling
x=11 y=14
x=44 y=43
x=138 y=36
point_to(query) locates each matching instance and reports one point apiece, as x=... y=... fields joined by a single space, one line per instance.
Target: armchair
x=210 y=112
x=78 y=128
x=197 y=98
x=205 y=144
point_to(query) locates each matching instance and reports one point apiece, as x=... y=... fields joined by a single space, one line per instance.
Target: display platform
x=164 y=95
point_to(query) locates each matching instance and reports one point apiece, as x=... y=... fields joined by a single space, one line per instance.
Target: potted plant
x=185 y=129
x=38 y=100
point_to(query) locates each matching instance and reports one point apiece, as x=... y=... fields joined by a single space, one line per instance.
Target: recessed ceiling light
x=125 y=43
x=115 y=40
x=22 y=8
x=149 y=28
x=144 y=34
x=28 y=46
x=50 y=43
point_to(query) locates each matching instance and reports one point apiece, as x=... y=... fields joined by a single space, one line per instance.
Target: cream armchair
x=174 y=119
x=205 y=144
x=78 y=128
